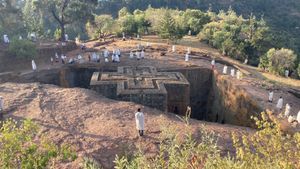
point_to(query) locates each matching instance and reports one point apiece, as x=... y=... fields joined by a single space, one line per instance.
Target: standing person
x=271 y=94
x=51 y=59
x=298 y=117
x=186 y=59
x=140 y=122
x=287 y=110
x=279 y=103
x=225 y=69
x=1 y=106
x=33 y=65
x=213 y=63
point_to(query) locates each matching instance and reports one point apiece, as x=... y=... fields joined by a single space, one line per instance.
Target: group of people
x=287 y=111
x=32 y=37
x=234 y=73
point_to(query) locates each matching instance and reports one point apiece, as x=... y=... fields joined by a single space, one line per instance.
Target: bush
x=19 y=149
x=22 y=49
x=281 y=60
x=268 y=148
x=57 y=34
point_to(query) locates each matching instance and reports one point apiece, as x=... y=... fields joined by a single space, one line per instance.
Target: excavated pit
x=213 y=97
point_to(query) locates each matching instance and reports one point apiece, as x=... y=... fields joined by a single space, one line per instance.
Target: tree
x=69 y=11
x=103 y=24
x=169 y=29
x=194 y=20
x=281 y=60
x=33 y=16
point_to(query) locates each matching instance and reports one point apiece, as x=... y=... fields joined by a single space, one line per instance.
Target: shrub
x=19 y=149
x=280 y=60
x=22 y=49
x=57 y=34
x=268 y=148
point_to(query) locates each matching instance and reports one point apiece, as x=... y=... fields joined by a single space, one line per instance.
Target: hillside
x=282 y=16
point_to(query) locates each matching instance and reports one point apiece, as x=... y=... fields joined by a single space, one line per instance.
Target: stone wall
x=200 y=80
x=229 y=103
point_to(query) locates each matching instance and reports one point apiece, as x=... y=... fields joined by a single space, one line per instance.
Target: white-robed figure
x=271 y=94
x=20 y=38
x=138 y=55
x=106 y=60
x=140 y=122
x=232 y=72
x=298 y=117
x=173 y=48
x=225 y=68
x=66 y=37
x=131 y=55
x=286 y=73
x=279 y=103
x=246 y=61
x=187 y=57
x=5 y=39
x=106 y=53
x=117 y=58
x=142 y=54
x=33 y=65
x=213 y=63
x=287 y=110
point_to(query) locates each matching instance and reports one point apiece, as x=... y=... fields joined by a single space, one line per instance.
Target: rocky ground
x=97 y=127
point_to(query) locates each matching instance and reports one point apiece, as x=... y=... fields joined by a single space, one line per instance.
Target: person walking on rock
x=140 y=122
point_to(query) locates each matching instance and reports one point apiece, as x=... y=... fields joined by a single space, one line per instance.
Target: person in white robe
x=131 y=55
x=225 y=68
x=66 y=37
x=286 y=73
x=287 y=110
x=52 y=60
x=271 y=94
x=279 y=103
x=298 y=117
x=213 y=63
x=138 y=55
x=33 y=65
x=20 y=38
x=292 y=119
x=173 y=48
x=187 y=57
x=140 y=122
x=106 y=60
x=246 y=61
x=142 y=54
x=117 y=58
x=232 y=72
x=5 y=39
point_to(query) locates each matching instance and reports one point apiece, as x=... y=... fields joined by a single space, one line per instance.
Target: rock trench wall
x=213 y=97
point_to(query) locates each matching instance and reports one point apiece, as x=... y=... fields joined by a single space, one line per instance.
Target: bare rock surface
x=96 y=126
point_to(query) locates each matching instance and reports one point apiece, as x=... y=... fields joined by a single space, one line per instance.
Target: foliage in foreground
x=22 y=48
x=19 y=149
x=268 y=148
